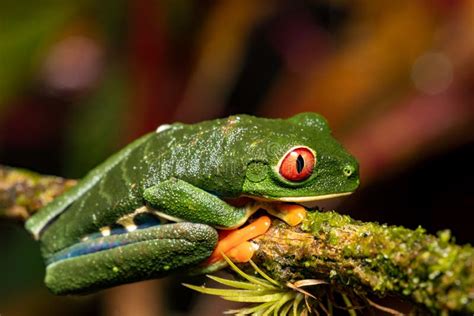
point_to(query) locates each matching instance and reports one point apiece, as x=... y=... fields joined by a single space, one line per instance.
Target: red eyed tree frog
x=156 y=206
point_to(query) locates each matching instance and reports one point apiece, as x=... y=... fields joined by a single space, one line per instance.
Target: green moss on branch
x=374 y=259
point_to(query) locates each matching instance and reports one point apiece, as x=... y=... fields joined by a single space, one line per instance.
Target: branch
x=366 y=258
x=23 y=192
x=370 y=258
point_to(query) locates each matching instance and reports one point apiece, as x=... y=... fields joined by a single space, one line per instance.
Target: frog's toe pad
x=292 y=214
x=243 y=252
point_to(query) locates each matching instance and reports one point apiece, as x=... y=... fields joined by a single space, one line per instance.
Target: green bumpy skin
x=167 y=247
x=182 y=172
x=184 y=200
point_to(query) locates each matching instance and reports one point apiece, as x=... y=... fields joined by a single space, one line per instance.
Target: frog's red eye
x=298 y=164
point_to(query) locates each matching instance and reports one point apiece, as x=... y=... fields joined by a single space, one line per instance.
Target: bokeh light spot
x=432 y=73
x=74 y=63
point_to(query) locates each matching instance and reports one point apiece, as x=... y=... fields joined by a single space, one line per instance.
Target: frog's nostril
x=348 y=170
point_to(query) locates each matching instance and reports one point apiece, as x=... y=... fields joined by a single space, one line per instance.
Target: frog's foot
x=292 y=214
x=235 y=243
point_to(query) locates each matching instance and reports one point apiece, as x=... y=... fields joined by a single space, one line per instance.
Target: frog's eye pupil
x=298 y=164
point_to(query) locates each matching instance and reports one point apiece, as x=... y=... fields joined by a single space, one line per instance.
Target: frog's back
x=87 y=191
x=117 y=182
x=114 y=189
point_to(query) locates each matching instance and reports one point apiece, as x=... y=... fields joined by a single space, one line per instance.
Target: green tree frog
x=165 y=203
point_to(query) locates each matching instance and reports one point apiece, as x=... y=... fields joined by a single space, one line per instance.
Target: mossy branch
x=365 y=258
x=372 y=259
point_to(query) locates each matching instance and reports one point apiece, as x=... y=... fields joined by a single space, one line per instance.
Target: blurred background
x=80 y=79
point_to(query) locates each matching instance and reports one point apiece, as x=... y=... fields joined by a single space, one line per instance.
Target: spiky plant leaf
x=236 y=284
x=270 y=297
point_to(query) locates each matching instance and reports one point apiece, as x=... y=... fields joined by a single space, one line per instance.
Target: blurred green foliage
x=96 y=126
x=21 y=262
x=26 y=27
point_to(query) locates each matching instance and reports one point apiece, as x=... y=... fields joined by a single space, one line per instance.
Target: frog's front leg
x=177 y=200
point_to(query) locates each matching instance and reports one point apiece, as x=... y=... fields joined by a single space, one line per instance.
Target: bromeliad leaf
x=270 y=297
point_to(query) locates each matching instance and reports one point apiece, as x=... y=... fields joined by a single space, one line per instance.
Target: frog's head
x=300 y=162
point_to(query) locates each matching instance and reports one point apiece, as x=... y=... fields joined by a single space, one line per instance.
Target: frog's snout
x=350 y=174
x=348 y=170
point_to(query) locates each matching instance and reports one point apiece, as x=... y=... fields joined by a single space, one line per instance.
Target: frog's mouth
x=298 y=199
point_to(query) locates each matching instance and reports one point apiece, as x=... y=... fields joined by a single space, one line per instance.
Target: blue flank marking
x=96 y=242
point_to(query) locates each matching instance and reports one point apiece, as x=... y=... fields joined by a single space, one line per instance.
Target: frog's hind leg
x=142 y=254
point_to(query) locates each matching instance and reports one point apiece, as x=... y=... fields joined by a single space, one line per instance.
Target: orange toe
x=239 y=236
x=292 y=214
x=242 y=253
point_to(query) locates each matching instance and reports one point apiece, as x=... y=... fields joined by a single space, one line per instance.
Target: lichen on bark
x=23 y=192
